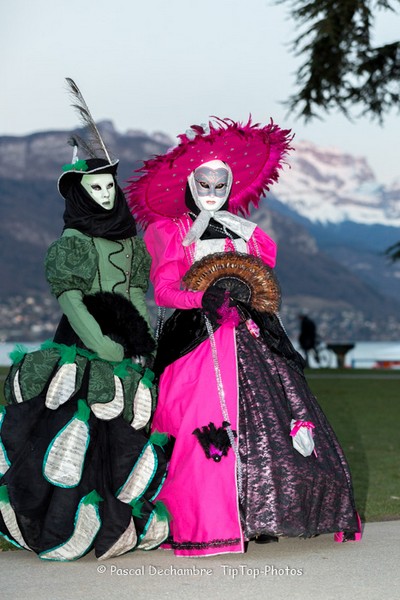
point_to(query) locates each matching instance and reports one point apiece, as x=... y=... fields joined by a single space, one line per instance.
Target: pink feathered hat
x=254 y=153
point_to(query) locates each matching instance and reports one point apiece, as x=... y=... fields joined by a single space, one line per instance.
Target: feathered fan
x=95 y=146
x=247 y=278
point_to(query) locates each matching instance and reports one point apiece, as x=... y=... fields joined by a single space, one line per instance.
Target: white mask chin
x=210 y=185
x=101 y=188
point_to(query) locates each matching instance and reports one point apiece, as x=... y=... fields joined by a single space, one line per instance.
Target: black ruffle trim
x=186 y=329
x=201 y=545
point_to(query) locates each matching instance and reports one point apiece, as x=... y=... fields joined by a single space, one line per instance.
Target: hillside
x=330 y=254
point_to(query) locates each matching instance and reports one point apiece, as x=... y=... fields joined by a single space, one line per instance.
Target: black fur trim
x=214 y=441
x=121 y=321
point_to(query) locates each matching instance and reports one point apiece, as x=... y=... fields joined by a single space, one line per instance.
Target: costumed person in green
x=77 y=467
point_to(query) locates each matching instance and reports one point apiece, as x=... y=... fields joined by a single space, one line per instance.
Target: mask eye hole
x=96 y=187
x=204 y=185
x=220 y=186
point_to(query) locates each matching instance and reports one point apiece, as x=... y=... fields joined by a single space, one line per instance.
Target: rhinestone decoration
x=221 y=394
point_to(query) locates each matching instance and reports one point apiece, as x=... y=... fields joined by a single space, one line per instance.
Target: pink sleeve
x=169 y=265
x=266 y=246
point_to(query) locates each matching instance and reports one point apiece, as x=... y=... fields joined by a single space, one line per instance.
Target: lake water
x=365 y=355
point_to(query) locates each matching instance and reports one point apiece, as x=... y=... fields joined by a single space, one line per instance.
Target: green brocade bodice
x=78 y=265
x=79 y=262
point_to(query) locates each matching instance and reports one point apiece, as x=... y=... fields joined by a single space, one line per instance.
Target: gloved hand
x=302 y=434
x=213 y=298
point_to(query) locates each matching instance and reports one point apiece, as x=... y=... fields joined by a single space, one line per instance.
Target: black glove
x=213 y=299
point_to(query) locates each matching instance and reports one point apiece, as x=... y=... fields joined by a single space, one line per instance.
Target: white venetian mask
x=101 y=188
x=210 y=185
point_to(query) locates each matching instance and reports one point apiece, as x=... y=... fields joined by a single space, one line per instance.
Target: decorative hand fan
x=247 y=278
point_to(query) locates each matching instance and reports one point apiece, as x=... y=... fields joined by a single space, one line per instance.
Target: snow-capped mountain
x=325 y=185
x=330 y=217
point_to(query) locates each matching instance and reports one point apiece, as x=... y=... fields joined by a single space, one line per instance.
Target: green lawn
x=365 y=414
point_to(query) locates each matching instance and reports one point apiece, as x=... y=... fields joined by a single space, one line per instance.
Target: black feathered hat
x=74 y=172
x=94 y=147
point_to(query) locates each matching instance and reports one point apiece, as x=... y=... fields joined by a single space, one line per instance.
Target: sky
x=162 y=65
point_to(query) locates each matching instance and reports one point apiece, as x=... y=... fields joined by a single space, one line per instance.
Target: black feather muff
x=96 y=141
x=122 y=322
x=214 y=441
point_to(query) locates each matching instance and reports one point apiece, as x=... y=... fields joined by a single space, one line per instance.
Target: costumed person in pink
x=252 y=452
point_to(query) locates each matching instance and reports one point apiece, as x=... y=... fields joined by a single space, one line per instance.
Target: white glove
x=302 y=434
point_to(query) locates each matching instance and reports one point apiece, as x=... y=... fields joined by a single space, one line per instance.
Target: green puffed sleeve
x=140 y=265
x=71 y=264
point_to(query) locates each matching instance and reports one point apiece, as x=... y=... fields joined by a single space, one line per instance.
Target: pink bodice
x=171 y=260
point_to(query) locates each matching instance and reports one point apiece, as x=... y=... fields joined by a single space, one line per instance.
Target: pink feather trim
x=228 y=315
x=254 y=153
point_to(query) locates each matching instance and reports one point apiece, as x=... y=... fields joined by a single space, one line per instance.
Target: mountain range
x=331 y=218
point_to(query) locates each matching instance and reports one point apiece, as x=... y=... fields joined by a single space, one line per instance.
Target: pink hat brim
x=254 y=153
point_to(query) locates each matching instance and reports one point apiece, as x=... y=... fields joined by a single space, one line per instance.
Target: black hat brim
x=95 y=166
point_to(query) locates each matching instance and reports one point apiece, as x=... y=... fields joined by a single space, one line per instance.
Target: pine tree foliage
x=342 y=69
